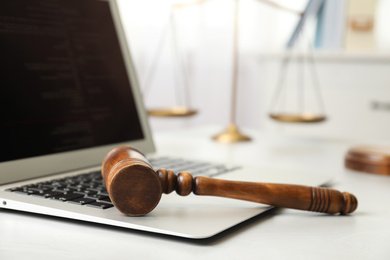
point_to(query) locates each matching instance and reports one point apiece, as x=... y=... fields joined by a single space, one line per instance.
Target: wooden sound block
x=371 y=159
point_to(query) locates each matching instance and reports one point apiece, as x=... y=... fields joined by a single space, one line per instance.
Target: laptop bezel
x=34 y=167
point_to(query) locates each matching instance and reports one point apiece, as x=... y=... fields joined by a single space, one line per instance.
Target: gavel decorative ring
x=135 y=188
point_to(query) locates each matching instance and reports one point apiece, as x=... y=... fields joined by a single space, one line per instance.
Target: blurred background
x=183 y=54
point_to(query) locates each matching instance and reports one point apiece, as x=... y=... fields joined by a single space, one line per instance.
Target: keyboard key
x=38 y=189
x=47 y=194
x=100 y=205
x=22 y=191
x=97 y=196
x=86 y=192
x=14 y=189
x=103 y=193
x=67 y=196
x=106 y=200
x=82 y=201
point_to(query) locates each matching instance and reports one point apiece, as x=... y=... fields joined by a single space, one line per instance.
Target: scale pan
x=172 y=112
x=298 y=118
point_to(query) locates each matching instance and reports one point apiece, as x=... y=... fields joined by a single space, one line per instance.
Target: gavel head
x=133 y=186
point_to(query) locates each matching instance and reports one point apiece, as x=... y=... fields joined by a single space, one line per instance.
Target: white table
x=283 y=234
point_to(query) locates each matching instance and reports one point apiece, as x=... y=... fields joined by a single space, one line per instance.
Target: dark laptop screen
x=63 y=81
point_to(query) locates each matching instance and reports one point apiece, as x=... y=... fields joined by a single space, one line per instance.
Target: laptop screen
x=64 y=84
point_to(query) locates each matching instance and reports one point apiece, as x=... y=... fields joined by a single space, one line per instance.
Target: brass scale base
x=231 y=134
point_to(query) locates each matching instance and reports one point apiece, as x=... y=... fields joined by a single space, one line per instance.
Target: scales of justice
x=278 y=111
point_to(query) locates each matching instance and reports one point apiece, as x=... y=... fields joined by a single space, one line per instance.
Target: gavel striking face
x=135 y=188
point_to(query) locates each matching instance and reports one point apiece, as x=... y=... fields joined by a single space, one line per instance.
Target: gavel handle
x=300 y=197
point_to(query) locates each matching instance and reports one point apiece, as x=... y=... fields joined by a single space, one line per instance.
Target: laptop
x=69 y=94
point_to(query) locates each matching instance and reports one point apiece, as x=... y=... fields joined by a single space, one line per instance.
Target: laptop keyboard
x=85 y=189
x=89 y=189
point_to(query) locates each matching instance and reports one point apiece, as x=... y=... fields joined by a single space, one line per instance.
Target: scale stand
x=232 y=134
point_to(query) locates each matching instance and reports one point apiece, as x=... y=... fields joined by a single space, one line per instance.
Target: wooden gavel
x=135 y=188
